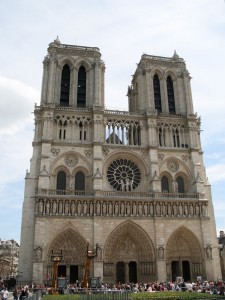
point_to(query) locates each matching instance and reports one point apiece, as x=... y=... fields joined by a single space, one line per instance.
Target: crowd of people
x=18 y=292
x=22 y=292
x=152 y=287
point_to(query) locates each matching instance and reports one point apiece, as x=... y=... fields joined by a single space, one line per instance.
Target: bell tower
x=73 y=76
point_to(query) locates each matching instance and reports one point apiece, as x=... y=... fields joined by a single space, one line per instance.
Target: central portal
x=122 y=276
x=181 y=268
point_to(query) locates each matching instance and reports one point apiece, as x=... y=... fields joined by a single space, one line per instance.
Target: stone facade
x=133 y=182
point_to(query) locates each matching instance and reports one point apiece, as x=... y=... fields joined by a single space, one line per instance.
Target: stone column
x=51 y=79
x=164 y=98
x=45 y=80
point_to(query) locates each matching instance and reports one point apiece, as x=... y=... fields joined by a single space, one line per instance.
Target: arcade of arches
x=129 y=255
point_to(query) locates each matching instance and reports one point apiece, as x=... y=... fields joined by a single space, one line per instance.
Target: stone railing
x=120 y=208
x=118 y=194
x=76 y=193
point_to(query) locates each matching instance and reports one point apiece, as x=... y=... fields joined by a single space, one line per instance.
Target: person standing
x=5 y=294
x=15 y=293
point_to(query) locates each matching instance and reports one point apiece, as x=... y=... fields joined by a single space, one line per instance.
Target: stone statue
x=128 y=208
x=98 y=208
x=54 y=207
x=122 y=208
x=91 y=208
x=72 y=207
x=110 y=208
x=85 y=208
x=40 y=208
x=116 y=208
x=134 y=212
x=145 y=209
x=67 y=208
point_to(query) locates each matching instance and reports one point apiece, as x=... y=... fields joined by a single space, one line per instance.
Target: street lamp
x=55 y=258
x=89 y=256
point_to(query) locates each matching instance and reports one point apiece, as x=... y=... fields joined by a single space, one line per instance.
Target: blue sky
x=123 y=30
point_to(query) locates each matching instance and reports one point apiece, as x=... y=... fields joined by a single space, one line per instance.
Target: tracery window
x=79 y=181
x=157 y=93
x=165 y=184
x=123 y=175
x=61 y=181
x=176 y=138
x=123 y=132
x=170 y=94
x=65 y=86
x=82 y=131
x=180 y=184
x=81 y=87
x=62 y=130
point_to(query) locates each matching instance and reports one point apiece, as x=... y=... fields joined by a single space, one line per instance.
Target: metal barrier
x=37 y=295
x=105 y=295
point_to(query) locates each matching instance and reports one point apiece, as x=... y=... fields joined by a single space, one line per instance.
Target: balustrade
x=125 y=194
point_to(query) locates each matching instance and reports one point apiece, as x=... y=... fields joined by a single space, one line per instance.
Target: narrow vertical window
x=61 y=181
x=79 y=181
x=81 y=87
x=157 y=94
x=170 y=94
x=180 y=185
x=65 y=86
x=165 y=184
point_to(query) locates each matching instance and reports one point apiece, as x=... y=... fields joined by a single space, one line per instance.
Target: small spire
x=57 y=41
x=175 y=55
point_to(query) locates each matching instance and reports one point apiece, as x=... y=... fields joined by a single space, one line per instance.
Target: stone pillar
x=51 y=79
x=44 y=80
x=73 y=86
x=127 y=272
x=164 y=98
x=188 y=96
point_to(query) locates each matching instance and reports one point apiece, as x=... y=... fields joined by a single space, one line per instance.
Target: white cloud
x=16 y=105
x=216 y=173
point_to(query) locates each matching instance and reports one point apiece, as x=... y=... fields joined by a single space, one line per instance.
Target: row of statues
x=120 y=208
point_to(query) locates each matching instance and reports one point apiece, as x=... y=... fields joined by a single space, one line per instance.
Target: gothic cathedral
x=131 y=182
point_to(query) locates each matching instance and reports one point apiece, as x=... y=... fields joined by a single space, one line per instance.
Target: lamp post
x=89 y=256
x=55 y=258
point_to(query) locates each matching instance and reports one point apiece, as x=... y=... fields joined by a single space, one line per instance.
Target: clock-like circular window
x=123 y=175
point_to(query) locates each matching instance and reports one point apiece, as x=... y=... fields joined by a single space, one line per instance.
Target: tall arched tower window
x=170 y=94
x=61 y=181
x=65 y=86
x=81 y=87
x=79 y=181
x=180 y=185
x=165 y=184
x=157 y=93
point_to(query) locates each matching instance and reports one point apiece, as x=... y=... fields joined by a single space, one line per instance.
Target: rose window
x=123 y=175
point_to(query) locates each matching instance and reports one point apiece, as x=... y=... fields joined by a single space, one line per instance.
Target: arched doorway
x=181 y=269
x=120 y=271
x=183 y=255
x=132 y=271
x=73 y=247
x=129 y=255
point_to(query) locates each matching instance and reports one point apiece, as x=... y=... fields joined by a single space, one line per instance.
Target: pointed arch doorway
x=129 y=255
x=121 y=271
x=73 y=247
x=181 y=269
x=184 y=256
